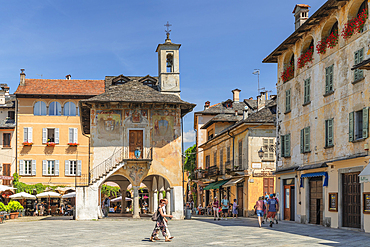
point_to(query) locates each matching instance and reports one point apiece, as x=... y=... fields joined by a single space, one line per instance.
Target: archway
x=159 y=188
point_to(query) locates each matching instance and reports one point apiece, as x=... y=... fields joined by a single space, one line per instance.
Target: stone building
x=51 y=147
x=7 y=135
x=232 y=163
x=135 y=136
x=323 y=109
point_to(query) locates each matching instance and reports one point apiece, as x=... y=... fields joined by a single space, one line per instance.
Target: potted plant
x=13 y=208
x=27 y=143
x=71 y=144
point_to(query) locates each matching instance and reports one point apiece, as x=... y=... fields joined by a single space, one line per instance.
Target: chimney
x=236 y=94
x=251 y=98
x=300 y=14
x=206 y=105
x=236 y=112
x=68 y=77
x=245 y=112
x=261 y=100
x=2 y=95
x=23 y=78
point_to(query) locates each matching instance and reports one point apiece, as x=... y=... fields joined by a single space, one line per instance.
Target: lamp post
x=261 y=153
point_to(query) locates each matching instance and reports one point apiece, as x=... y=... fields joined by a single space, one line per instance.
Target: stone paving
x=200 y=231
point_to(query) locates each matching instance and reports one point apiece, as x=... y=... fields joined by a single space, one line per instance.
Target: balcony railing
x=213 y=171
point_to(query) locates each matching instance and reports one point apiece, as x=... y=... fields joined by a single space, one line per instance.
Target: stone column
x=151 y=201
x=178 y=207
x=168 y=197
x=155 y=200
x=123 y=203
x=160 y=187
x=136 y=206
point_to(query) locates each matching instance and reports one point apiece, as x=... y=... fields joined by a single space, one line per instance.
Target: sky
x=222 y=42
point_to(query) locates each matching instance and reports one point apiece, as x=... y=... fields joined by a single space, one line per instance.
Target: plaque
x=333 y=202
x=366 y=202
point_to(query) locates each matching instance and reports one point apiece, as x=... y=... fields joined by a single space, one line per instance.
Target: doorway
x=240 y=199
x=351 y=200
x=316 y=202
x=135 y=142
x=289 y=199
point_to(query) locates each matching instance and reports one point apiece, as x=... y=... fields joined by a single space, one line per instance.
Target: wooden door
x=135 y=141
x=351 y=200
x=240 y=201
x=268 y=185
x=287 y=200
x=6 y=172
x=316 y=201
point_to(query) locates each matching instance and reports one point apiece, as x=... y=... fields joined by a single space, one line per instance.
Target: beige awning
x=365 y=174
x=233 y=182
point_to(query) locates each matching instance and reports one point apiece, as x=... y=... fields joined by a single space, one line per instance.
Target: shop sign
x=366 y=205
x=333 y=202
x=6 y=177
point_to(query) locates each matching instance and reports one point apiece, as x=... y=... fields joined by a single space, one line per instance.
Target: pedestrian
x=42 y=208
x=272 y=207
x=107 y=206
x=260 y=207
x=225 y=207
x=277 y=199
x=215 y=209
x=160 y=224
x=265 y=200
x=235 y=209
x=35 y=212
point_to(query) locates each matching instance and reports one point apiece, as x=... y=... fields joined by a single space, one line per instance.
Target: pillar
x=155 y=200
x=123 y=203
x=178 y=207
x=136 y=206
x=151 y=201
x=160 y=187
x=168 y=197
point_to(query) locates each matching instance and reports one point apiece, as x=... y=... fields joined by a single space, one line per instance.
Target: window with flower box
x=73 y=137
x=357 y=23
x=50 y=135
x=27 y=136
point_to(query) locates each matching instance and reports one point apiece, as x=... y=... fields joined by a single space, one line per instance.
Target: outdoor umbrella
x=4 y=188
x=22 y=195
x=118 y=199
x=49 y=194
x=69 y=195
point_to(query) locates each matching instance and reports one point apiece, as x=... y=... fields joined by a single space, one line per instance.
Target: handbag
x=155 y=216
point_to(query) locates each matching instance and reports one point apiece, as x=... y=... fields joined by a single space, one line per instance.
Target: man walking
x=107 y=206
x=272 y=207
x=225 y=207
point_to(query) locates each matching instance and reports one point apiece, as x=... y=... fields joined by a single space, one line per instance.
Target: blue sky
x=222 y=42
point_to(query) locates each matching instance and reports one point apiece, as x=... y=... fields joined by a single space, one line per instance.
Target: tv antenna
x=257 y=72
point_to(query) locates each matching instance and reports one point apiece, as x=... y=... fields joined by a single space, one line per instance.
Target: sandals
x=167 y=240
x=151 y=240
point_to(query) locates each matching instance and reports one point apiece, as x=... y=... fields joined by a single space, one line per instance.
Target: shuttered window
x=358 y=124
x=215 y=158
x=240 y=153
x=268 y=150
x=285 y=145
x=307 y=90
x=208 y=161
x=228 y=154
x=359 y=57
x=329 y=133
x=329 y=79
x=287 y=100
x=305 y=140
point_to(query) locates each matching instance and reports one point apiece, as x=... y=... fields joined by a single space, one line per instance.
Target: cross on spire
x=168 y=25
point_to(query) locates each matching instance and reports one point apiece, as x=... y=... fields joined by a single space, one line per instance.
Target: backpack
x=155 y=216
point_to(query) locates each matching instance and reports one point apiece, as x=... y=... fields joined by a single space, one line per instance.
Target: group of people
x=269 y=204
x=223 y=208
x=161 y=223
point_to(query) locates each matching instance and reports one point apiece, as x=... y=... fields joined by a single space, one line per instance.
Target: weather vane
x=168 y=29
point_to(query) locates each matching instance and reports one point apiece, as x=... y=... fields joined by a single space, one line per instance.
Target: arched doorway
x=159 y=188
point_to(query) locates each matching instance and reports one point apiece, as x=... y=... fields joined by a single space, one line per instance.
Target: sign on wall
x=257 y=165
x=333 y=202
x=366 y=205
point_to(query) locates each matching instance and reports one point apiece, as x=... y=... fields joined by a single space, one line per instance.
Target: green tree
x=190 y=159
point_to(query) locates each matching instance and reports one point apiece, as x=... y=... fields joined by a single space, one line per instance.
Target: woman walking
x=215 y=205
x=260 y=207
x=160 y=223
x=235 y=209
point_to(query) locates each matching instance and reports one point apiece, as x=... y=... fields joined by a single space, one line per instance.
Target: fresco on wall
x=109 y=124
x=165 y=124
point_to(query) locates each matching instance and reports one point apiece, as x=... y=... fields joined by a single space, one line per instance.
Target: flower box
x=288 y=73
x=27 y=143
x=330 y=42
x=73 y=144
x=355 y=25
x=305 y=58
x=50 y=144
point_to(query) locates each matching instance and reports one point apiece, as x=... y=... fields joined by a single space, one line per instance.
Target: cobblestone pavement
x=200 y=231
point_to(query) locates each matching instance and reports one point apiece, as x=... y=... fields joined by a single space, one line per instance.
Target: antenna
x=257 y=72
x=40 y=75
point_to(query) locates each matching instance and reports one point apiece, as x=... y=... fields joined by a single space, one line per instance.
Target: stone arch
x=329 y=26
x=355 y=8
x=307 y=43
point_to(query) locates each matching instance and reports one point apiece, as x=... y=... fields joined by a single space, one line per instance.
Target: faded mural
x=109 y=124
x=166 y=126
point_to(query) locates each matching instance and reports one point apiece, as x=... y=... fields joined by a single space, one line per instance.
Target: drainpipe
x=228 y=132
x=182 y=159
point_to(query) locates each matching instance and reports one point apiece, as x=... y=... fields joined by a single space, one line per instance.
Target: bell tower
x=168 y=65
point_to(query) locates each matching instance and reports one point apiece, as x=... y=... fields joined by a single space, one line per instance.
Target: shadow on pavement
x=58 y=218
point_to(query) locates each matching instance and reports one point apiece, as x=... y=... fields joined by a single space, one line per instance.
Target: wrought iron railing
x=213 y=171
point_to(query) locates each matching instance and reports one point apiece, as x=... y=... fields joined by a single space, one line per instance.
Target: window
x=39 y=109
x=6 y=140
x=11 y=115
x=27 y=134
x=215 y=158
x=305 y=140
x=359 y=57
x=73 y=135
x=240 y=145
x=50 y=135
x=287 y=101
x=69 y=109
x=307 y=90
x=208 y=161
x=329 y=133
x=27 y=167
x=228 y=154
x=210 y=134
x=285 y=145
x=73 y=167
x=169 y=63
x=222 y=166
x=268 y=144
x=359 y=124
x=268 y=185
x=329 y=79
x=50 y=167
x=55 y=109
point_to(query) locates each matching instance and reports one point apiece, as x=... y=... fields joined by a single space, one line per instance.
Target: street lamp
x=261 y=153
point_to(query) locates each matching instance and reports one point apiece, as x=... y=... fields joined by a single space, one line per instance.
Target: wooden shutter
x=302 y=141
x=265 y=185
x=307 y=139
x=331 y=71
x=44 y=167
x=57 y=168
x=79 y=167
x=329 y=133
x=287 y=100
x=287 y=145
x=25 y=134
x=70 y=134
x=56 y=130
x=29 y=135
x=282 y=146
x=215 y=158
x=33 y=167
x=271 y=185
x=327 y=80
x=360 y=59
x=44 y=135
x=271 y=153
x=75 y=134
x=21 y=167
x=365 y=122
x=66 y=168
x=351 y=127
x=307 y=83
x=240 y=153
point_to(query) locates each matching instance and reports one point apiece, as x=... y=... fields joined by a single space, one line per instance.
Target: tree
x=190 y=159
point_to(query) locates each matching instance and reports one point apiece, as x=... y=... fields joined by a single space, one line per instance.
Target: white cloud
x=189 y=136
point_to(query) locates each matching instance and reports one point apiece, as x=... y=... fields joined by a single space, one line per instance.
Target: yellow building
x=323 y=94
x=232 y=163
x=51 y=148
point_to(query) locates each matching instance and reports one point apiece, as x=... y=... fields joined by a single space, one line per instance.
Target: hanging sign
x=333 y=202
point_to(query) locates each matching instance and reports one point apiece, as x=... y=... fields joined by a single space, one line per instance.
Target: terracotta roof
x=302 y=6
x=61 y=87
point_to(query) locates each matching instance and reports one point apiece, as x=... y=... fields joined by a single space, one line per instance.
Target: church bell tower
x=168 y=65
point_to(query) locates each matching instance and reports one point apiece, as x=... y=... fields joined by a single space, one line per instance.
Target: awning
x=365 y=175
x=232 y=182
x=216 y=185
x=315 y=174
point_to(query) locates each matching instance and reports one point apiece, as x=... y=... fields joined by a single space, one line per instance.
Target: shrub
x=14 y=206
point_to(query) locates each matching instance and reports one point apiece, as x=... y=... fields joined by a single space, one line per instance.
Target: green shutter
x=302 y=141
x=365 y=122
x=351 y=127
x=307 y=139
x=282 y=144
x=330 y=132
x=359 y=57
x=331 y=70
x=287 y=145
x=307 y=83
x=327 y=80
